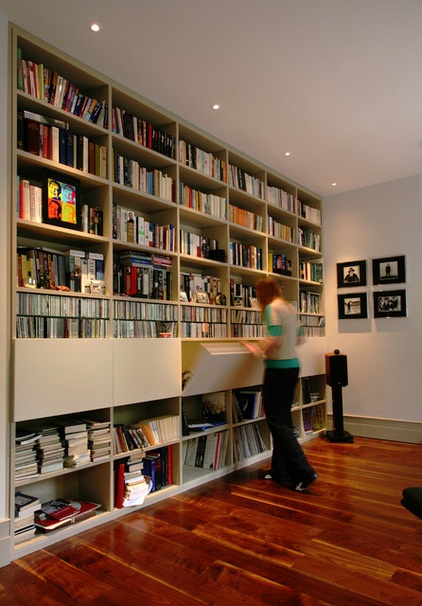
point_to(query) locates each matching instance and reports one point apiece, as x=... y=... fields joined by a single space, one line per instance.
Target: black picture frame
x=351 y=273
x=352 y=306
x=61 y=201
x=390 y=304
x=389 y=270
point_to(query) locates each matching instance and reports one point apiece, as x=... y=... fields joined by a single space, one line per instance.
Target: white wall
x=384 y=355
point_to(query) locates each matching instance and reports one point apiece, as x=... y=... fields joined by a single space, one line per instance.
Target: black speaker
x=336 y=369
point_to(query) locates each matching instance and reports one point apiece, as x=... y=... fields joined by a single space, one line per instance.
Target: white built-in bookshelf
x=137 y=238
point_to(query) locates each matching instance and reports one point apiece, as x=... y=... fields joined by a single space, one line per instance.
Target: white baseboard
x=383 y=429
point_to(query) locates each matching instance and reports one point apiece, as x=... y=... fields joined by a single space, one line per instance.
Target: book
x=25 y=503
x=45 y=523
x=27 y=437
x=68 y=509
x=59 y=509
x=120 y=485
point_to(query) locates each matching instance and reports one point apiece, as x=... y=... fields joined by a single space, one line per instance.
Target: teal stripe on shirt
x=291 y=363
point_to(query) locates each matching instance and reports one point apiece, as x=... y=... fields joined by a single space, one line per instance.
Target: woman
x=289 y=462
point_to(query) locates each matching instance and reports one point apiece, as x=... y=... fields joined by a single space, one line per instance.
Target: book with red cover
x=81 y=511
x=120 y=485
x=62 y=509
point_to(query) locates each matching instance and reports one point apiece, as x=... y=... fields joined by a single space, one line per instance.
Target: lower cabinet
x=74 y=469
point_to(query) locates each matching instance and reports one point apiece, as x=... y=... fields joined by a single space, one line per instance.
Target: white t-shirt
x=281 y=313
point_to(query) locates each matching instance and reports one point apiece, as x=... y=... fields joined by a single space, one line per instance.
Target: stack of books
x=132 y=486
x=26 y=467
x=25 y=507
x=50 y=451
x=99 y=439
x=74 y=435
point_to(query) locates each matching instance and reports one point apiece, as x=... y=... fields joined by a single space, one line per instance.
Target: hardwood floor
x=245 y=541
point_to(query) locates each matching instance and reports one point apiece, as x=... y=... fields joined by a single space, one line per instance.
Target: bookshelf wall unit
x=171 y=232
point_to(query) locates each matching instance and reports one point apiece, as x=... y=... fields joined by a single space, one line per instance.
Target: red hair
x=267 y=289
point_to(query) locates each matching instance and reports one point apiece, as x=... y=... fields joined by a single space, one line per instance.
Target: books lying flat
x=25 y=504
x=61 y=512
x=203 y=425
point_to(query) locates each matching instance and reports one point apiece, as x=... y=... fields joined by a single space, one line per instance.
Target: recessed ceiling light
x=333 y=184
x=287 y=153
x=95 y=27
x=216 y=106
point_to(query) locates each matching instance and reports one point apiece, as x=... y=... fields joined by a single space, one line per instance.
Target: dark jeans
x=289 y=462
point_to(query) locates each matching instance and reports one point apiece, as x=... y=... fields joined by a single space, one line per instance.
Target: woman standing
x=289 y=462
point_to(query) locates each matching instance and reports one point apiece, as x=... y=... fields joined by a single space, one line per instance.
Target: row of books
x=248 y=441
x=246 y=331
x=204 y=202
x=311 y=270
x=74 y=270
x=202 y=330
x=214 y=315
x=310 y=213
x=148 y=278
x=130 y=173
x=245 y=218
x=242 y=295
x=242 y=180
x=40 y=81
x=242 y=255
x=197 y=245
x=129 y=226
x=30 y=206
x=66 y=444
x=53 y=140
x=142 y=329
x=191 y=283
x=309 y=302
x=142 y=310
x=145 y=433
x=142 y=132
x=313 y=419
x=247 y=317
x=279 y=263
x=203 y=161
x=208 y=451
x=281 y=199
x=35 y=327
x=280 y=230
x=309 y=238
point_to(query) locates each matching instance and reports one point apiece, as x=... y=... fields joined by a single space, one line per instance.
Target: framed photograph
x=390 y=270
x=253 y=303
x=61 y=201
x=201 y=297
x=390 y=304
x=352 y=273
x=352 y=306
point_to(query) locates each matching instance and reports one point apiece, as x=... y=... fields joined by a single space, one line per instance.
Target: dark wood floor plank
x=124 y=583
x=241 y=541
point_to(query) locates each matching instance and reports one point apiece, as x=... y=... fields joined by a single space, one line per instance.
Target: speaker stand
x=345 y=437
x=338 y=434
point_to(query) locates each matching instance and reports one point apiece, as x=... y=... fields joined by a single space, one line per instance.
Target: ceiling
x=338 y=83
